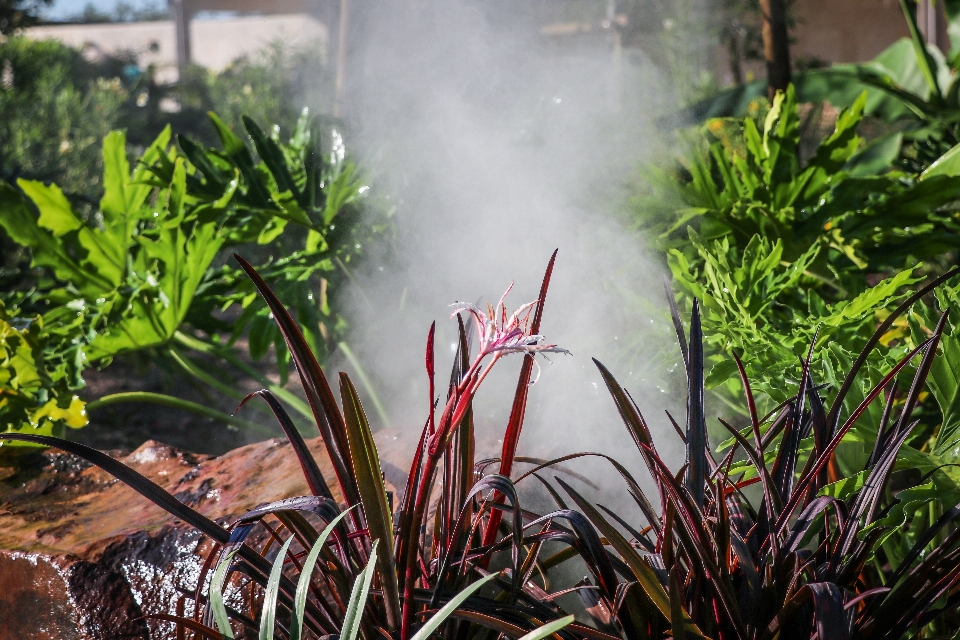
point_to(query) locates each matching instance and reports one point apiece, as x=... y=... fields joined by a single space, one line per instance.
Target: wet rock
x=82 y=556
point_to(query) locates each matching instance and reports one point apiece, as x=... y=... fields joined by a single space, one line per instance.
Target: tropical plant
x=912 y=85
x=755 y=305
x=778 y=249
x=40 y=363
x=142 y=266
x=806 y=558
x=303 y=203
x=844 y=204
x=447 y=447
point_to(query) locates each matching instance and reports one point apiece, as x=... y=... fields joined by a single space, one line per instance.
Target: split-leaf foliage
x=142 y=270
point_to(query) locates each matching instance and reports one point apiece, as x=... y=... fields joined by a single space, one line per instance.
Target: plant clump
x=804 y=556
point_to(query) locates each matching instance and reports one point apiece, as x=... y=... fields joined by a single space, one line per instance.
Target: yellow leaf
x=74 y=416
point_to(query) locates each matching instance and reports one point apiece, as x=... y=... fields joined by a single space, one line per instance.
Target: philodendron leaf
x=242 y=157
x=56 y=214
x=944 y=384
x=153 y=320
x=20 y=223
x=122 y=197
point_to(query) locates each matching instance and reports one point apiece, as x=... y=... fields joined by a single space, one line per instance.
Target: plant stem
x=226 y=354
x=191 y=367
x=367 y=385
x=353 y=281
x=175 y=403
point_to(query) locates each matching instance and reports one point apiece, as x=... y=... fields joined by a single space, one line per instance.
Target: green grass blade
x=361 y=589
x=548 y=629
x=437 y=619
x=269 y=612
x=373 y=495
x=216 y=596
x=303 y=585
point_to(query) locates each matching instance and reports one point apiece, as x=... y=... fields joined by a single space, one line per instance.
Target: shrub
x=135 y=272
x=844 y=212
x=55 y=108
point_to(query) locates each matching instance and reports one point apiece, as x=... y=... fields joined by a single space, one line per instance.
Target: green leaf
x=876 y=157
x=946 y=165
x=116 y=173
x=342 y=190
x=119 y=198
x=944 y=383
x=437 y=619
x=720 y=373
x=373 y=494
x=290 y=209
x=361 y=588
x=845 y=487
x=157 y=313
x=177 y=194
x=872 y=298
x=925 y=61
x=216 y=596
x=548 y=629
x=306 y=572
x=20 y=223
x=240 y=154
x=837 y=149
x=272 y=157
x=269 y=611
x=271 y=230
x=56 y=214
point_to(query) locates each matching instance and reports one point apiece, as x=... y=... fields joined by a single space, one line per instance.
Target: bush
x=55 y=108
x=140 y=271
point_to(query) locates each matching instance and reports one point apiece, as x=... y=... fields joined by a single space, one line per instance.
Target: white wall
x=215 y=43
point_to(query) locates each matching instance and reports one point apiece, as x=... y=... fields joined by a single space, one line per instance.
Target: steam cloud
x=498 y=146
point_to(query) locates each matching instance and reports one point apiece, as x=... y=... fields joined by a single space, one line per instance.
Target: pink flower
x=499 y=334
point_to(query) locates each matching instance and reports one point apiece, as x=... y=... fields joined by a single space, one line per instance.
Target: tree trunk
x=776 y=46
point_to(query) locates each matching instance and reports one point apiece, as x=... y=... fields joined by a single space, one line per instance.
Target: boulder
x=82 y=556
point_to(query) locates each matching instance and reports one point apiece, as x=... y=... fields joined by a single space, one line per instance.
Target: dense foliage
x=778 y=248
x=807 y=557
x=801 y=254
x=139 y=270
x=913 y=91
x=55 y=108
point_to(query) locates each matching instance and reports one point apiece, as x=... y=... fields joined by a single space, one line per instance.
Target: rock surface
x=82 y=556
